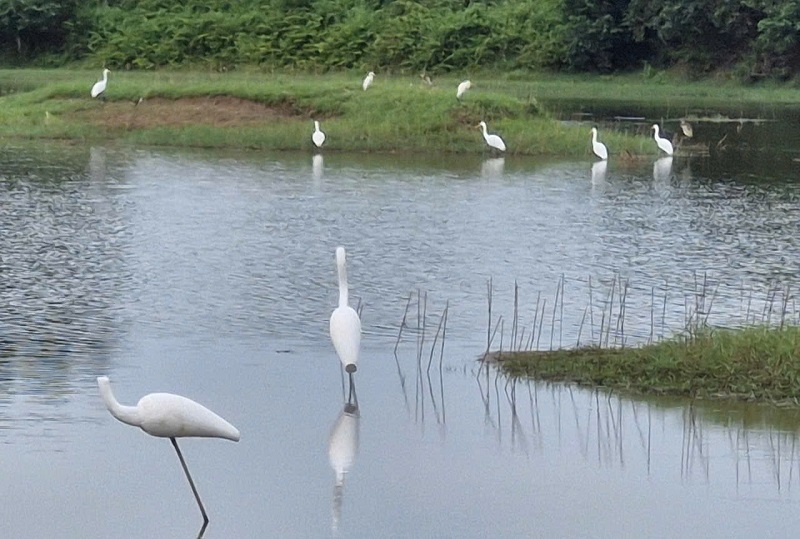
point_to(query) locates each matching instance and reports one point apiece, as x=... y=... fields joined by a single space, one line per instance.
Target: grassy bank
x=274 y=111
x=755 y=363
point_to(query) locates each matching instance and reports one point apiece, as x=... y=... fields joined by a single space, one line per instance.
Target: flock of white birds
x=494 y=141
x=172 y=416
x=166 y=415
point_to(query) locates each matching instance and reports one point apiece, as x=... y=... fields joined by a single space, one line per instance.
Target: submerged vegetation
x=756 y=363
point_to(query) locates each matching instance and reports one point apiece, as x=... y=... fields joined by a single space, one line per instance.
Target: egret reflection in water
x=599 y=171
x=317 y=163
x=97 y=164
x=493 y=167
x=662 y=169
x=342 y=449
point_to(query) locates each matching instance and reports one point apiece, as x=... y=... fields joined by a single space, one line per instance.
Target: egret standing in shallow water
x=345 y=324
x=170 y=416
x=100 y=86
x=664 y=144
x=494 y=141
x=368 y=80
x=462 y=89
x=318 y=137
x=598 y=147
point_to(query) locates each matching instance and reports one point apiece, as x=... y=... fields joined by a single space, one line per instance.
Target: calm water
x=212 y=275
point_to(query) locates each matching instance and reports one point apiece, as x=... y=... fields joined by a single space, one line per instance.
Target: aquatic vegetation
x=757 y=363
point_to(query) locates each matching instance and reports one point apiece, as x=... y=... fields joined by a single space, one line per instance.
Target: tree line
x=751 y=38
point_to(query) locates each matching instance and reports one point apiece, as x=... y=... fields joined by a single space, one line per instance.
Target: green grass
x=756 y=363
x=396 y=114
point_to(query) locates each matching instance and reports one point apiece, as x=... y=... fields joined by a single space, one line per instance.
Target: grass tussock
x=756 y=363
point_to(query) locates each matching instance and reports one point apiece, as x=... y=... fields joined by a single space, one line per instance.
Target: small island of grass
x=251 y=109
x=754 y=363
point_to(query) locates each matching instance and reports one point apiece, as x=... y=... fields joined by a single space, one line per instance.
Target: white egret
x=318 y=137
x=664 y=144
x=170 y=416
x=494 y=141
x=462 y=88
x=598 y=147
x=100 y=86
x=368 y=80
x=345 y=326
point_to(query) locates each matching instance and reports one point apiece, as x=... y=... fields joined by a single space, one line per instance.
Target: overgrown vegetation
x=756 y=363
x=751 y=38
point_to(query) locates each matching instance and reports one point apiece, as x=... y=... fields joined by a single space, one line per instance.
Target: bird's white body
x=462 y=88
x=598 y=147
x=494 y=141
x=345 y=326
x=100 y=86
x=318 y=137
x=168 y=416
x=663 y=144
x=368 y=80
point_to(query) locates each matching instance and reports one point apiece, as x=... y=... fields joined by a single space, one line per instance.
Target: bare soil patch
x=221 y=111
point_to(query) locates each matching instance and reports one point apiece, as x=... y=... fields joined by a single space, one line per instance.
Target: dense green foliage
x=754 y=38
x=401 y=35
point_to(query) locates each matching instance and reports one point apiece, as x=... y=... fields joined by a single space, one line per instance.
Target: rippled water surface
x=212 y=275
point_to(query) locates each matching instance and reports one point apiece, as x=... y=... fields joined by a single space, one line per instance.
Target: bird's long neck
x=126 y=414
x=485 y=134
x=655 y=132
x=343 y=291
x=594 y=136
x=105 y=76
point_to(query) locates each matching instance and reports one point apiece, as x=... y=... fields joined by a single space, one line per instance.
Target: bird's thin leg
x=189 y=477
x=352 y=398
x=202 y=530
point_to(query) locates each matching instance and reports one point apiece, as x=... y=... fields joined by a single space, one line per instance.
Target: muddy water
x=212 y=275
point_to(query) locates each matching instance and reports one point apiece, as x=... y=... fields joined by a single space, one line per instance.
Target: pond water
x=212 y=275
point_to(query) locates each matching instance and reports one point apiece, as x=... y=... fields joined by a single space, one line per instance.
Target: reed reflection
x=724 y=443
x=426 y=382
